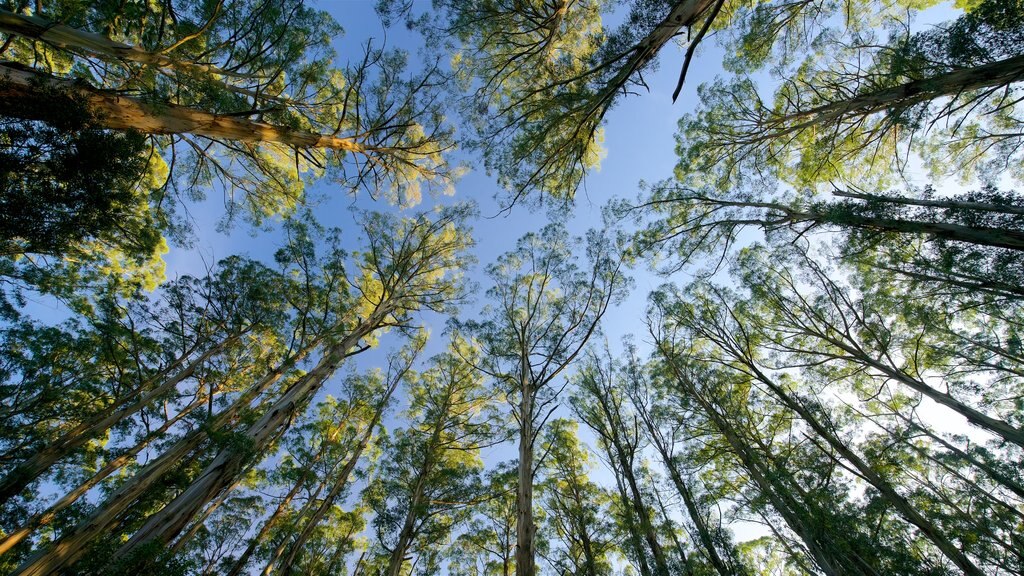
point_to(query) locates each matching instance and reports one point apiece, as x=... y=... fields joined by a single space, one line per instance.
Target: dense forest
x=826 y=379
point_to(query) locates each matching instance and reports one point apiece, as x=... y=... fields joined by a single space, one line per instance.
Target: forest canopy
x=410 y=288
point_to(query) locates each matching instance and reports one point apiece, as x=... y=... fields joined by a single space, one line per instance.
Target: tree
x=540 y=77
x=487 y=545
x=971 y=240
x=247 y=92
x=575 y=505
x=845 y=118
x=544 y=310
x=66 y=182
x=599 y=404
x=664 y=426
x=429 y=475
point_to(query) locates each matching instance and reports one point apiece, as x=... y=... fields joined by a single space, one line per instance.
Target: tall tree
x=602 y=407
x=246 y=91
x=544 y=310
x=429 y=475
x=541 y=76
x=575 y=505
x=851 y=116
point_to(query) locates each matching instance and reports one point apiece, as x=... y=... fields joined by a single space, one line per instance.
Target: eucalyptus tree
x=487 y=543
x=309 y=456
x=600 y=404
x=215 y=316
x=66 y=182
x=831 y=321
x=847 y=117
x=789 y=480
x=538 y=78
x=576 y=507
x=543 y=309
x=971 y=240
x=734 y=333
x=429 y=476
x=409 y=265
x=367 y=399
x=244 y=92
x=666 y=431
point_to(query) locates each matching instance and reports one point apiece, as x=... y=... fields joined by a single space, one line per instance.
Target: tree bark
x=119 y=112
x=72 y=39
x=525 y=556
x=995 y=74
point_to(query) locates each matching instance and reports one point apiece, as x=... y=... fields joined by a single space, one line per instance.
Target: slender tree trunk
x=998 y=427
x=995 y=74
x=635 y=539
x=979 y=235
x=643 y=514
x=73 y=39
x=28 y=471
x=341 y=479
x=283 y=544
x=684 y=562
x=255 y=541
x=935 y=203
x=993 y=472
x=626 y=457
x=696 y=515
x=407 y=533
x=525 y=528
x=684 y=13
x=781 y=499
x=201 y=519
x=231 y=461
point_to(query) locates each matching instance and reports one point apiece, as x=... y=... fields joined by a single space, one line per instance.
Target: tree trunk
x=406 y=535
x=780 y=499
x=635 y=540
x=197 y=524
x=231 y=461
x=118 y=112
x=283 y=544
x=703 y=531
x=44 y=518
x=934 y=203
x=73 y=39
x=254 y=543
x=979 y=235
x=998 y=427
x=909 y=513
x=525 y=529
x=684 y=13
x=995 y=74
x=341 y=479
